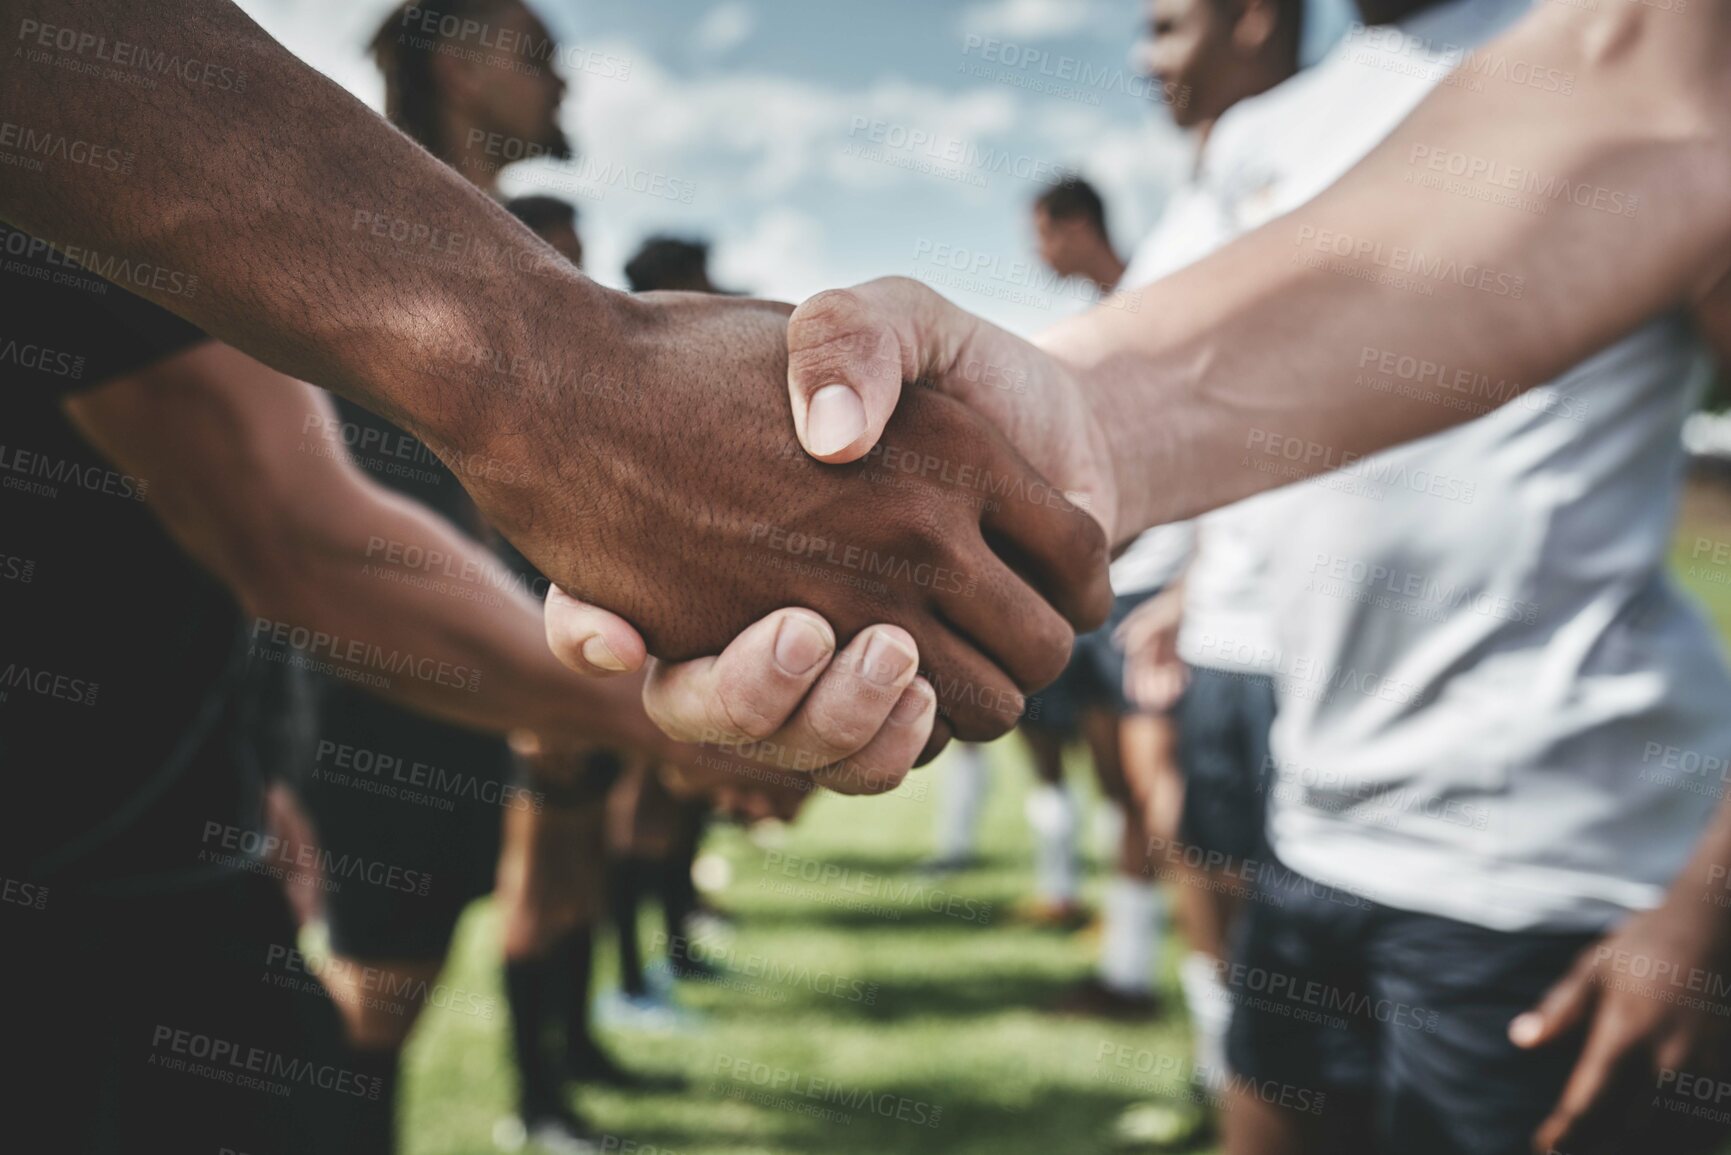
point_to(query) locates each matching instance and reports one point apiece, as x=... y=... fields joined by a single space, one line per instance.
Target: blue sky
x=824 y=142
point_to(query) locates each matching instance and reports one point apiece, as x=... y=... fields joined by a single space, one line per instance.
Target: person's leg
x=286 y=820
x=961 y=799
x=387 y=946
x=553 y=893
x=624 y=898
x=630 y=842
x=538 y=988
x=1133 y=912
x=382 y=973
x=1051 y=721
x=376 y=1026
x=1250 y=1126
x=544 y=942
x=1055 y=821
x=1300 y=1082
x=1147 y=744
x=678 y=889
x=1223 y=721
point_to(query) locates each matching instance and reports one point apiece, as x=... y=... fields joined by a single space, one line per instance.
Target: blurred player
x=1458 y=803
x=655 y=832
x=670 y=264
x=1070 y=229
x=477 y=111
x=1204 y=796
x=554 y=221
x=1087 y=701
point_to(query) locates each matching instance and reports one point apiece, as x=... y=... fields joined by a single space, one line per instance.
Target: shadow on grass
x=904 y=1116
x=888 y=864
x=933 y=909
x=968 y=998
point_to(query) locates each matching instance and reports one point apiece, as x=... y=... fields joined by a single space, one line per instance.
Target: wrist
x=1150 y=402
x=506 y=364
x=1693 y=901
x=1131 y=449
x=603 y=711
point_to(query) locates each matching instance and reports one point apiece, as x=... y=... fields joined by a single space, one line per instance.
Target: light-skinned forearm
x=1258 y=342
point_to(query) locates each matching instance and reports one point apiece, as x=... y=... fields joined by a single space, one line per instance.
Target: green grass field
x=922 y=1008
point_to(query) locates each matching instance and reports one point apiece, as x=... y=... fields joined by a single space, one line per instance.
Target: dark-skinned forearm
x=1702 y=890
x=368 y=577
x=323 y=241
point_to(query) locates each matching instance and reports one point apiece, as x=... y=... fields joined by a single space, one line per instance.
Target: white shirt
x=1191 y=227
x=1495 y=706
x=1225 y=623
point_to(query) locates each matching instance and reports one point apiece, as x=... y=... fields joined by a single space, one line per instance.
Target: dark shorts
x=1223 y=721
x=409 y=813
x=1094 y=679
x=170 y=1022
x=1399 y=1022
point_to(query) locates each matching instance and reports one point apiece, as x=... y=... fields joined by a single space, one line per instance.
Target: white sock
x=1052 y=814
x=1132 y=935
x=1108 y=824
x=1210 y=1004
x=960 y=800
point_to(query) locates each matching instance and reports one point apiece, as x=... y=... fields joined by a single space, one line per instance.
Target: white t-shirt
x=1495 y=706
x=1190 y=228
x=1156 y=557
x=1225 y=624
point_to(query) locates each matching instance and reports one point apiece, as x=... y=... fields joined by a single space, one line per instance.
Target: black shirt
x=119 y=655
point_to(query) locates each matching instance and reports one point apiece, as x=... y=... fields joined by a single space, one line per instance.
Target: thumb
x=590 y=640
x=1564 y=1007
x=851 y=350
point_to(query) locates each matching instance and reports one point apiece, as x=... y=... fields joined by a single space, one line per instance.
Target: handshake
x=837 y=588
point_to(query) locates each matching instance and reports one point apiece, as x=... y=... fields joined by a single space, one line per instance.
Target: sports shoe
x=1048 y=915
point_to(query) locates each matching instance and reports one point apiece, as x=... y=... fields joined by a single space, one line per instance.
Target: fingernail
x=886 y=660
x=800 y=645
x=1524 y=1031
x=834 y=419
x=913 y=702
x=599 y=654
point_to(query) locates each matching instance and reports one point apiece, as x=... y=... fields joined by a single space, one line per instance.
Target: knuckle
x=972 y=722
x=665 y=709
x=1054 y=646
x=836 y=330
x=829 y=309
x=842 y=728
x=742 y=714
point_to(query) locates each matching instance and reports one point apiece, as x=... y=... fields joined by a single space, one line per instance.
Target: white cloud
x=725 y=27
x=769 y=162
x=760 y=135
x=331 y=38
x=781 y=256
x=1032 y=19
